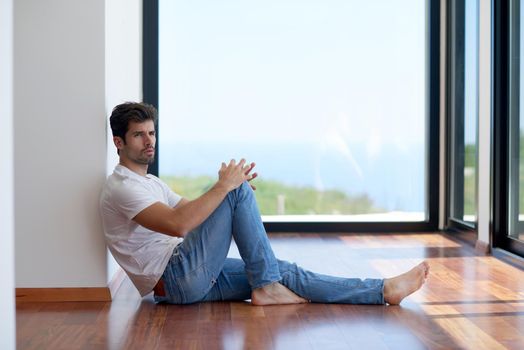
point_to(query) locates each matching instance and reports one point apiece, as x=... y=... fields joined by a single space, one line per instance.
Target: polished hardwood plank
x=470 y=301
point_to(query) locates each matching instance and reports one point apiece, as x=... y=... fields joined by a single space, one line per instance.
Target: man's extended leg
x=232 y=284
x=330 y=289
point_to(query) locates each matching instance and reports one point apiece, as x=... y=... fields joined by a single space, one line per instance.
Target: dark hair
x=130 y=111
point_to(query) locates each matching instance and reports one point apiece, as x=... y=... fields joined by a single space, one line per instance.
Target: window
x=516 y=125
x=509 y=129
x=336 y=102
x=463 y=112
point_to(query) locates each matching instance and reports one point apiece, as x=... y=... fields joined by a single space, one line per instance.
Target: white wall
x=123 y=70
x=7 y=295
x=484 y=128
x=60 y=142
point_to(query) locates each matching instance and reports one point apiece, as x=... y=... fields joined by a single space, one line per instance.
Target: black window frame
x=502 y=110
x=150 y=95
x=455 y=67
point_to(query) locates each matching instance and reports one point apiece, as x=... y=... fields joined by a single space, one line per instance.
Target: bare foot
x=275 y=294
x=399 y=287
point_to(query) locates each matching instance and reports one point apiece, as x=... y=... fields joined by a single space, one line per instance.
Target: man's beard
x=145 y=160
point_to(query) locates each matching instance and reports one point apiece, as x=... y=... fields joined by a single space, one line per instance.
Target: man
x=178 y=247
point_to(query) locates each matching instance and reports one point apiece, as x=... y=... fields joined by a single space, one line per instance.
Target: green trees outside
x=296 y=200
x=470 y=179
x=275 y=198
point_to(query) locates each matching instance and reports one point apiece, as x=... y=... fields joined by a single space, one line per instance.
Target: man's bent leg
x=197 y=262
x=251 y=239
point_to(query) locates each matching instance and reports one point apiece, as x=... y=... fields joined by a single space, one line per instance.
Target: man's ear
x=118 y=141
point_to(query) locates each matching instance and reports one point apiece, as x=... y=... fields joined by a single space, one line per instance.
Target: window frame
x=150 y=95
x=502 y=110
x=150 y=65
x=455 y=106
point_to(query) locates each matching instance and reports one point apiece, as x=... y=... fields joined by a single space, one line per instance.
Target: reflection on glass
x=328 y=98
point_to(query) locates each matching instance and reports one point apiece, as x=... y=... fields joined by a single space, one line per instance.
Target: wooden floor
x=469 y=302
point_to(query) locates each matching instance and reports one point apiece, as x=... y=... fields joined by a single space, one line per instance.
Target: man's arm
x=187 y=215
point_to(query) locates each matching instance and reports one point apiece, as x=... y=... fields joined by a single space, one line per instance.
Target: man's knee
x=242 y=191
x=241 y=195
x=245 y=187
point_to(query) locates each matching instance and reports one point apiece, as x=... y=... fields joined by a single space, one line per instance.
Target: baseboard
x=72 y=294
x=116 y=281
x=63 y=294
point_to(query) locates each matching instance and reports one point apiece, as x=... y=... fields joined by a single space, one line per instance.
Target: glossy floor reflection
x=469 y=302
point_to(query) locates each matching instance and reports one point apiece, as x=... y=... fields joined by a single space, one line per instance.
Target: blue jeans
x=199 y=269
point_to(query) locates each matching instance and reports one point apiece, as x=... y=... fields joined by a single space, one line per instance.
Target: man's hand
x=233 y=175
x=254 y=175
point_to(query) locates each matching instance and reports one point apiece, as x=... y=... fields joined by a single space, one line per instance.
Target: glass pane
x=465 y=112
x=516 y=126
x=327 y=97
x=471 y=111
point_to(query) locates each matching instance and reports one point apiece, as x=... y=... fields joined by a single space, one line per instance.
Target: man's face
x=139 y=146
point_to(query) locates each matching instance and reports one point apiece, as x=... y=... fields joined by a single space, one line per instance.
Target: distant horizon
x=393 y=179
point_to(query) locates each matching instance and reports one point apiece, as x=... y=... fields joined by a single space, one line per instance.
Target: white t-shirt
x=142 y=253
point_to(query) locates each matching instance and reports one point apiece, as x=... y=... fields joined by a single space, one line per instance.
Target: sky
x=471 y=71
x=333 y=73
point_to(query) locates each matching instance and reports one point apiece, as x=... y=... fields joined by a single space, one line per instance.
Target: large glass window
x=329 y=98
x=516 y=125
x=463 y=99
x=508 y=208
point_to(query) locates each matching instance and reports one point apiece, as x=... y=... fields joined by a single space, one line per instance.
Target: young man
x=178 y=247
